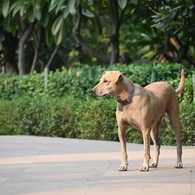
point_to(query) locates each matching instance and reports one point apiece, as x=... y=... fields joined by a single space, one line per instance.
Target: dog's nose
x=93 y=91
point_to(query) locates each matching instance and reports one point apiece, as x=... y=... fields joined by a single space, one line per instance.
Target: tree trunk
x=35 y=59
x=85 y=46
x=37 y=48
x=23 y=38
x=114 y=36
x=115 y=48
x=10 y=46
x=175 y=49
x=52 y=56
x=21 y=57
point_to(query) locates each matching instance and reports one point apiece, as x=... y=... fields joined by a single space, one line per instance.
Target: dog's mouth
x=99 y=95
x=102 y=95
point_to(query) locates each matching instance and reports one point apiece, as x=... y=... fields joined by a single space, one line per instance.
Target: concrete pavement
x=55 y=166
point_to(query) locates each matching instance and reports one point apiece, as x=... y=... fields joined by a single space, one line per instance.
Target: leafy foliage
x=89 y=119
x=175 y=19
x=67 y=108
x=78 y=83
x=187 y=113
x=147 y=31
x=37 y=116
x=172 y=17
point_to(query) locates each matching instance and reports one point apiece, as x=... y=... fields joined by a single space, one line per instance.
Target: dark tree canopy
x=35 y=34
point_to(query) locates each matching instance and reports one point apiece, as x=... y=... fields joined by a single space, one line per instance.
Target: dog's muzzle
x=97 y=94
x=93 y=91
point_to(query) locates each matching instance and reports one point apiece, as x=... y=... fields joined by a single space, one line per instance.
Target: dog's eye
x=105 y=81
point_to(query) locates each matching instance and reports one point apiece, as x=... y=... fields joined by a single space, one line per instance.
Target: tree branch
x=114 y=36
x=168 y=57
x=23 y=37
x=52 y=56
x=37 y=48
x=189 y=61
x=85 y=46
x=26 y=31
x=183 y=48
x=122 y=14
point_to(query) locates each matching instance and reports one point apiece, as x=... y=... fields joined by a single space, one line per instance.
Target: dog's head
x=109 y=84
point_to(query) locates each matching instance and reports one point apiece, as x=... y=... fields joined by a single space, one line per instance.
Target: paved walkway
x=56 y=166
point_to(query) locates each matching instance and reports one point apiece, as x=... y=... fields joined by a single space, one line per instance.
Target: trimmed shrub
x=68 y=109
x=167 y=135
x=97 y=119
x=61 y=117
x=37 y=116
x=78 y=83
x=86 y=119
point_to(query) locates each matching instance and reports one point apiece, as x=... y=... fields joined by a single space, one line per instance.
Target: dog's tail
x=181 y=84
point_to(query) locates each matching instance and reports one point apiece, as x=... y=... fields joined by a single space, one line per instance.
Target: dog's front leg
x=122 y=138
x=146 y=139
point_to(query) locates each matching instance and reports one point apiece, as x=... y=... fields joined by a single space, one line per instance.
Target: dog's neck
x=129 y=96
x=127 y=93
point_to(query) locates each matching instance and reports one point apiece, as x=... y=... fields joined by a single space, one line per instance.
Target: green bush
x=68 y=109
x=78 y=84
x=188 y=123
x=63 y=117
x=97 y=119
x=76 y=118
x=37 y=116
x=187 y=113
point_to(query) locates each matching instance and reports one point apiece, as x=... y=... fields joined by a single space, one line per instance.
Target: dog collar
x=126 y=101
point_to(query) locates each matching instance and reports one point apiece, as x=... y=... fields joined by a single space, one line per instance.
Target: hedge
x=67 y=108
x=62 y=83
x=64 y=117
x=86 y=119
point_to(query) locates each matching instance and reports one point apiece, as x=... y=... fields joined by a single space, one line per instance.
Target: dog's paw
x=178 y=166
x=123 y=168
x=144 y=168
x=153 y=165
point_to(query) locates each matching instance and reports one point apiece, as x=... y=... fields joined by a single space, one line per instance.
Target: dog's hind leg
x=155 y=139
x=176 y=124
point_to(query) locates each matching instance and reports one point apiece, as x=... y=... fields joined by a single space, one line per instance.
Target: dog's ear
x=117 y=76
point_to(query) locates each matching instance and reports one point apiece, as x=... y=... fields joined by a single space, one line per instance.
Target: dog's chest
x=128 y=117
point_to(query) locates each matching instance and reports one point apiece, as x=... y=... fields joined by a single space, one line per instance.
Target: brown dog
x=143 y=109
